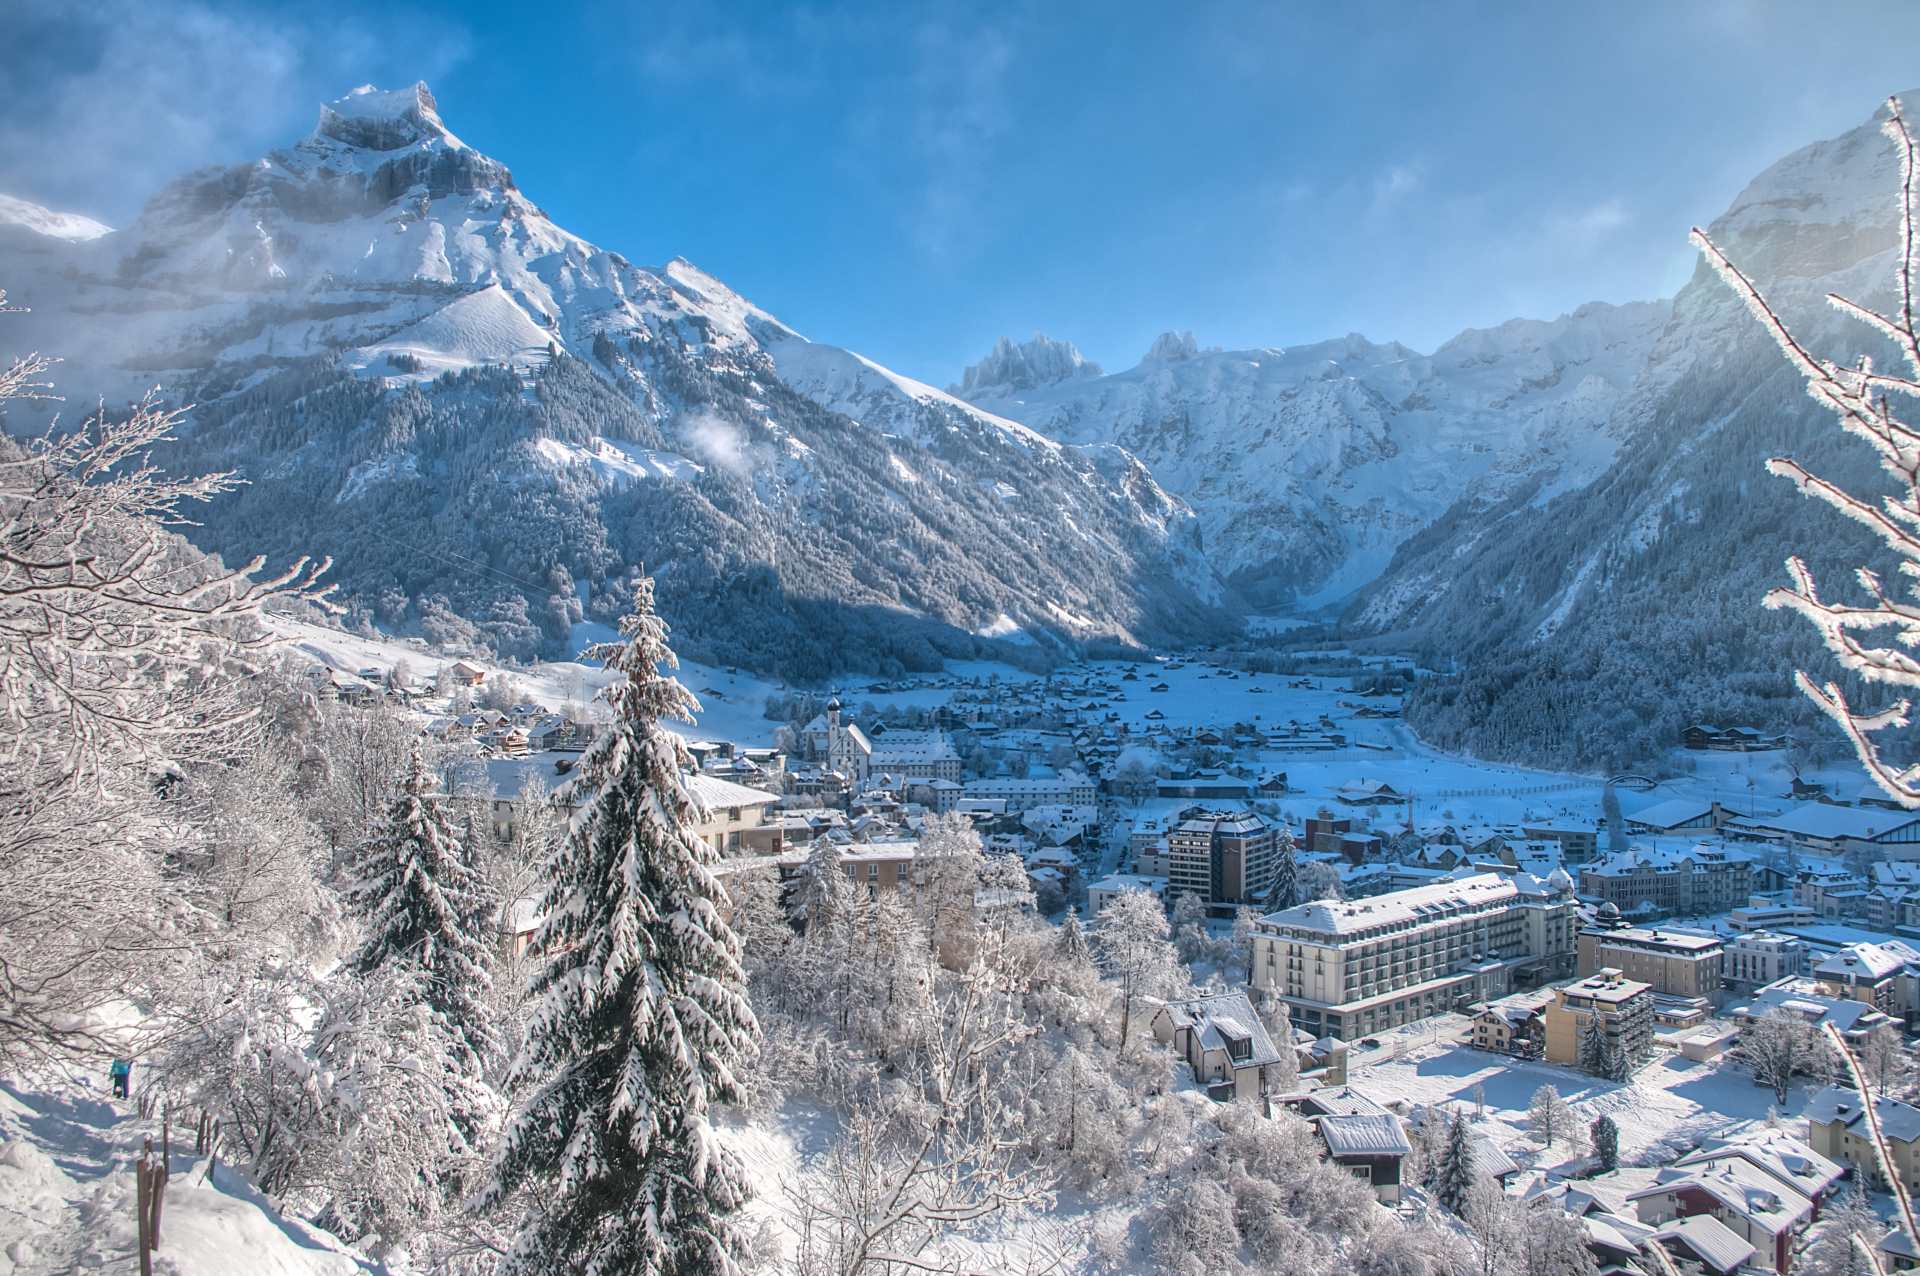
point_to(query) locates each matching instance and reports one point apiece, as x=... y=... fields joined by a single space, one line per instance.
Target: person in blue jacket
x=122 y=1073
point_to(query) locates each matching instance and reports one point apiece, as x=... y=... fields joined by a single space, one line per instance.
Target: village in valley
x=1623 y=986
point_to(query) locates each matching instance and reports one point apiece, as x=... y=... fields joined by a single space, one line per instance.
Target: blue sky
x=913 y=181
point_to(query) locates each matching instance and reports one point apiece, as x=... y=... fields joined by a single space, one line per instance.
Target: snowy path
x=67 y=1200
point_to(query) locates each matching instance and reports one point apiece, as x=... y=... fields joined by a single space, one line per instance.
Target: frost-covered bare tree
x=1779 y=1046
x=1864 y=400
x=940 y=1158
x=124 y=659
x=1132 y=945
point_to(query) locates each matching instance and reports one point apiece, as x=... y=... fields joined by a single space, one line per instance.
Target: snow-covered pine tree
x=824 y=892
x=1594 y=1056
x=643 y=1021
x=1606 y=1143
x=1453 y=1177
x=1072 y=944
x=1286 y=885
x=426 y=907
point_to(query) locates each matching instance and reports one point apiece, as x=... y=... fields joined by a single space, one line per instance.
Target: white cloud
x=719 y=443
x=109 y=100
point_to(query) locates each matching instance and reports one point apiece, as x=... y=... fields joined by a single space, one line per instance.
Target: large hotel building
x=1351 y=968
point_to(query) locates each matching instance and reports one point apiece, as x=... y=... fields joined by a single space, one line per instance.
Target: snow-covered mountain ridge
x=1591 y=629
x=491 y=422
x=1310 y=465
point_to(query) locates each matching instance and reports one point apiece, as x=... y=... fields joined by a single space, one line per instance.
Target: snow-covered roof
x=1867 y=961
x=1220 y=1016
x=1415 y=905
x=1711 y=1240
x=1778 y=1153
x=1824 y=820
x=1364 y=1135
x=1836 y=1103
x=1741 y=1187
x=1488 y=1157
x=1843 y=1013
x=1672 y=813
x=712 y=793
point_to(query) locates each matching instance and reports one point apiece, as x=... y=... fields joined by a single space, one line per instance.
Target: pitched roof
x=1672 y=813
x=1836 y=1103
x=1824 y=820
x=1778 y=1153
x=1712 y=1241
x=1226 y=1014
x=1361 y=1134
x=712 y=793
x=1867 y=961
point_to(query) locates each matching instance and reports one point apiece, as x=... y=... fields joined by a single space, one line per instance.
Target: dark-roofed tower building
x=1227 y=858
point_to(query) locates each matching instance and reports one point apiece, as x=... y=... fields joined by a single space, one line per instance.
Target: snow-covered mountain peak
x=385 y=119
x=1024 y=366
x=73 y=228
x=1171 y=347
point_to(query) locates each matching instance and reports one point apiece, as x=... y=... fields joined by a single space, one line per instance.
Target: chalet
x=1222 y=1040
x=1371 y=1147
x=732 y=818
x=1786 y=1158
x=463 y=674
x=1729 y=739
x=1514 y=1025
x=1366 y=792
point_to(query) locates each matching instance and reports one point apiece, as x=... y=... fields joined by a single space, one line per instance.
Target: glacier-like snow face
x=1308 y=466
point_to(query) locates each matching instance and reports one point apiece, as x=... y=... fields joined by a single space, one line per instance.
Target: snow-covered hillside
x=483 y=417
x=67 y=1175
x=1647 y=582
x=1309 y=465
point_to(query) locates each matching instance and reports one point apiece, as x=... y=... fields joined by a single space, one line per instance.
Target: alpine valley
x=491 y=424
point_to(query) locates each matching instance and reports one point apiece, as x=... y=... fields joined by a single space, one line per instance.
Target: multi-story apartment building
x=1606 y=1001
x=1578 y=842
x=1069 y=788
x=1885 y=976
x=1701 y=879
x=1350 y=968
x=1837 y=1129
x=1676 y=964
x=915 y=755
x=1760 y=957
x=1227 y=858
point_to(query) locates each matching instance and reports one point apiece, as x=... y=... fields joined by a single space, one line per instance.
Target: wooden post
x=143 y=1219
x=163 y=1172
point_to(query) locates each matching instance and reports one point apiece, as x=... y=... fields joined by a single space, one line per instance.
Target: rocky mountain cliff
x=490 y=423
x=1310 y=465
x=1589 y=629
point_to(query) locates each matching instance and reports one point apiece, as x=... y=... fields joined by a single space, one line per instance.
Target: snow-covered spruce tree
x=1863 y=398
x=427 y=909
x=1606 y=1143
x=643 y=1022
x=1285 y=892
x=1454 y=1174
x=1072 y=944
